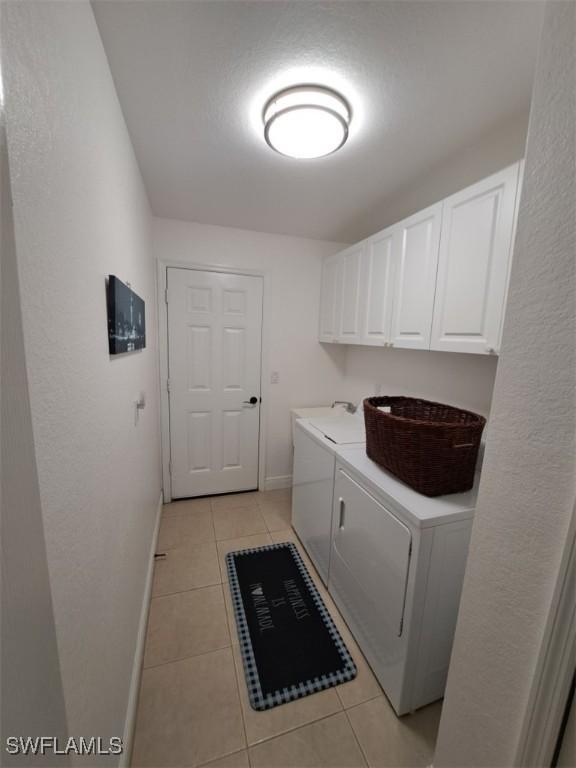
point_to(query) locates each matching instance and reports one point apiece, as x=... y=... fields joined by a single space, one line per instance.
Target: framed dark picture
x=126 y=318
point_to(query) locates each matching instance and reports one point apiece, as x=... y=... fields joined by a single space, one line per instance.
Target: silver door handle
x=342 y=512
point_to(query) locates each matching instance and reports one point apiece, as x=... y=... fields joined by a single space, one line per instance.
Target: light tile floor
x=193 y=708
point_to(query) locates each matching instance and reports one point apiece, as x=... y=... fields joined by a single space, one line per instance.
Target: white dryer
x=315 y=442
x=397 y=565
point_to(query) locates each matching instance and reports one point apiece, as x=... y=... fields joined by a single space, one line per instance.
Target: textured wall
x=459 y=379
x=528 y=484
x=488 y=153
x=32 y=699
x=80 y=213
x=310 y=373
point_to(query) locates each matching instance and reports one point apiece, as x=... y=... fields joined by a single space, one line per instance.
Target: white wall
x=80 y=213
x=458 y=379
x=491 y=151
x=31 y=682
x=528 y=484
x=310 y=374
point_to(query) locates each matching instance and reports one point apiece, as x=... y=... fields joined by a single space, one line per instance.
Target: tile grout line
x=364 y=701
x=298 y=727
x=244 y=536
x=231 y=632
x=182 y=591
x=193 y=656
x=191 y=589
x=222 y=757
x=188 y=656
x=356 y=739
x=212 y=521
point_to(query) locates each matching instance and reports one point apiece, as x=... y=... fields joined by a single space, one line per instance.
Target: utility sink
x=316 y=412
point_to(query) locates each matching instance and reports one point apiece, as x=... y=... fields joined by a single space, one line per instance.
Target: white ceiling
x=423 y=78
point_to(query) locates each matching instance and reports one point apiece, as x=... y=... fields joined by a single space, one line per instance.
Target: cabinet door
x=475 y=253
x=377 y=278
x=415 y=278
x=330 y=298
x=349 y=314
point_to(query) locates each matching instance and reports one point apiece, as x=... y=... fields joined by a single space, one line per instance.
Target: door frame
x=554 y=671
x=161 y=284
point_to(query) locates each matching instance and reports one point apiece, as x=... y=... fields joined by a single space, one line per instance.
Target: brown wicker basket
x=430 y=446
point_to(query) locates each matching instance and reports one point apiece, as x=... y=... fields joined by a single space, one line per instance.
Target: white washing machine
x=315 y=441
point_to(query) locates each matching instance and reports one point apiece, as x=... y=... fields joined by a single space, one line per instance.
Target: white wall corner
x=278 y=482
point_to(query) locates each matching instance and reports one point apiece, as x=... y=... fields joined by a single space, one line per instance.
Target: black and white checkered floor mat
x=290 y=645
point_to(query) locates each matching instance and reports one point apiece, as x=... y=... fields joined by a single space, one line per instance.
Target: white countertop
x=417 y=509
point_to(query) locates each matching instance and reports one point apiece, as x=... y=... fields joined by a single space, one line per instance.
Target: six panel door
x=214 y=338
x=415 y=278
x=475 y=255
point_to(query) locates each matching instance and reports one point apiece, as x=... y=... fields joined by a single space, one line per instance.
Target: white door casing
x=473 y=267
x=214 y=362
x=415 y=278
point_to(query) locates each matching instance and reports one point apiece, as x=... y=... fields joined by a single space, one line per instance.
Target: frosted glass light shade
x=306 y=122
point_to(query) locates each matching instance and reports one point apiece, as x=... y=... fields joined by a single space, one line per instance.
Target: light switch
x=274 y=377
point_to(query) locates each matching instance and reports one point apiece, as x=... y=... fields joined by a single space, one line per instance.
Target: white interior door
x=214 y=348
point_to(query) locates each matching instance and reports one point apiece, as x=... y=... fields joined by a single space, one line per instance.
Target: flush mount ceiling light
x=306 y=121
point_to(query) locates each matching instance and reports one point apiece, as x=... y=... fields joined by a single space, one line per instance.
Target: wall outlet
x=274 y=377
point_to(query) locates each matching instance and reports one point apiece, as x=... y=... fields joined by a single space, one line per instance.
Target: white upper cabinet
x=378 y=279
x=330 y=298
x=437 y=280
x=475 y=255
x=349 y=315
x=415 y=278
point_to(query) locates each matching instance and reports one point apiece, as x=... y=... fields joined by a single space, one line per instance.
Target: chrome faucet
x=350 y=407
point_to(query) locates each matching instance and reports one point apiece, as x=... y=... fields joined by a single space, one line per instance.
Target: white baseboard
x=275 y=483
x=130 y=721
